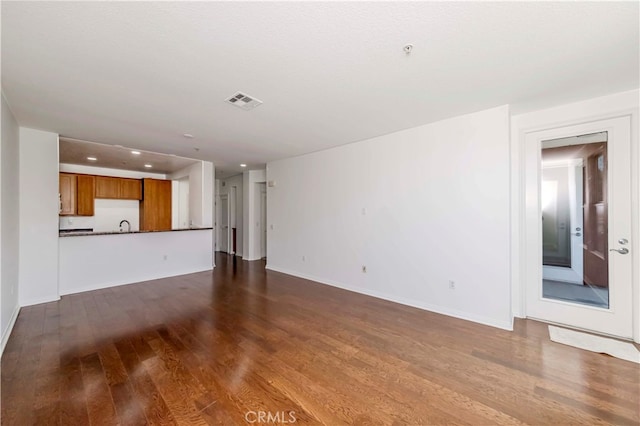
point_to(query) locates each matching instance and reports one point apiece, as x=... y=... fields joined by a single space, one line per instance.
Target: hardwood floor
x=229 y=346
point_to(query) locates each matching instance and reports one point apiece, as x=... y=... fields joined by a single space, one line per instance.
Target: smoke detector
x=243 y=101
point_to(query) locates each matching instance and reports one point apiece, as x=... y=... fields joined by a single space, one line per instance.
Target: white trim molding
x=6 y=333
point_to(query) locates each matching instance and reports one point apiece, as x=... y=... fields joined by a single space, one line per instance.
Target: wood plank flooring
x=241 y=345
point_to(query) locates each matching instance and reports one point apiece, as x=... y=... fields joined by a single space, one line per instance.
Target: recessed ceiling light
x=188 y=135
x=92 y=159
x=148 y=166
x=135 y=152
x=243 y=165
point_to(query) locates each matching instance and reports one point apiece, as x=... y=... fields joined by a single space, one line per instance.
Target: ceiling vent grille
x=243 y=101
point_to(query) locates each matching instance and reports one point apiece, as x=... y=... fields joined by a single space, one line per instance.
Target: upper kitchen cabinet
x=86 y=189
x=107 y=187
x=118 y=188
x=76 y=194
x=67 y=193
x=131 y=189
x=155 y=207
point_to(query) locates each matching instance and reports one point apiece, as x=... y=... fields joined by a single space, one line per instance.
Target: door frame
x=584 y=113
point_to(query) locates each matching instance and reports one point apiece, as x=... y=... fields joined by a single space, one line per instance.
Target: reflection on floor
x=583 y=294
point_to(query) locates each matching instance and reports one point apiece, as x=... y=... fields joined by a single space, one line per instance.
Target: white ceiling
x=143 y=73
x=73 y=151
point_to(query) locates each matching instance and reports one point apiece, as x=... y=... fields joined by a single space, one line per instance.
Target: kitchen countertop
x=84 y=234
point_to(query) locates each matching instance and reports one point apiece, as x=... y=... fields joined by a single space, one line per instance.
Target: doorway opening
x=574 y=219
x=262 y=228
x=233 y=225
x=224 y=223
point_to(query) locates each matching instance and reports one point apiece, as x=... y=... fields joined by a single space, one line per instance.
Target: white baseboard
x=504 y=325
x=255 y=258
x=109 y=284
x=38 y=301
x=7 y=331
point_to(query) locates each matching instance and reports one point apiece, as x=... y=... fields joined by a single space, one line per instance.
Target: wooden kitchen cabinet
x=118 y=188
x=86 y=190
x=76 y=194
x=131 y=189
x=67 y=193
x=107 y=187
x=155 y=207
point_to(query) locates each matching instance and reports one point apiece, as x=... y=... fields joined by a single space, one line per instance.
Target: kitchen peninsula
x=121 y=226
x=89 y=261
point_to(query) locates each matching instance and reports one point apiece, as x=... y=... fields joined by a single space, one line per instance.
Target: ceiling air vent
x=243 y=101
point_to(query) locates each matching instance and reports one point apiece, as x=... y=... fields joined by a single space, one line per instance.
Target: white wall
x=9 y=223
x=99 y=261
x=180 y=203
x=251 y=213
x=208 y=195
x=225 y=188
x=107 y=216
x=38 y=217
x=200 y=177
x=418 y=208
x=625 y=103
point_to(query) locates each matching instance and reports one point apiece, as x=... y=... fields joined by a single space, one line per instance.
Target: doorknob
x=623 y=250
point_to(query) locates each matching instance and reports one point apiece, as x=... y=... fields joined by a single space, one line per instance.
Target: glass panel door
x=574 y=219
x=578 y=248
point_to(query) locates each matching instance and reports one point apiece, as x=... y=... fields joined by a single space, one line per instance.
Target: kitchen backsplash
x=107 y=216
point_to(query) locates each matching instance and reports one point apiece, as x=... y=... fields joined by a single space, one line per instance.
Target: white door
x=611 y=220
x=224 y=223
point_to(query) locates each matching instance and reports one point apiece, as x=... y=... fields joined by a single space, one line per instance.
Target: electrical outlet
x=304 y=258
x=165 y=257
x=452 y=285
x=364 y=269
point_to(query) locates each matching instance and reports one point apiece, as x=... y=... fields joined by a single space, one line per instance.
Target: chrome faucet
x=128 y=225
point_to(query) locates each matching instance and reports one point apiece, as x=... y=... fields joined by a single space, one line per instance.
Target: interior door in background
x=562 y=194
x=224 y=223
